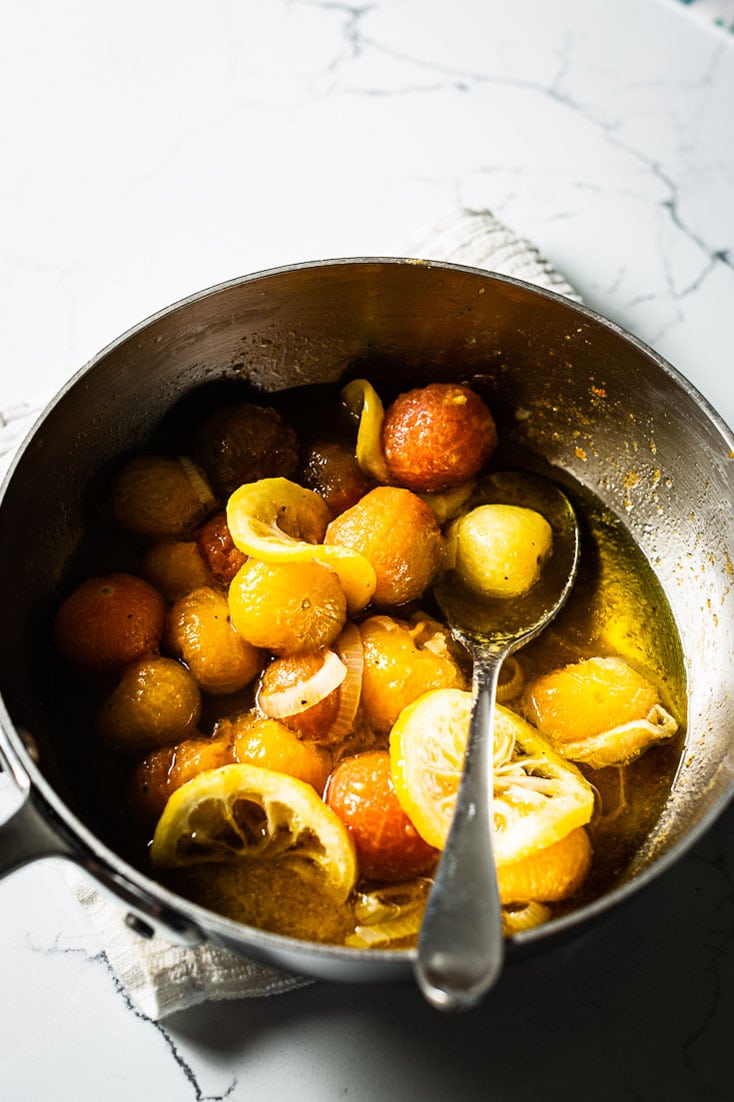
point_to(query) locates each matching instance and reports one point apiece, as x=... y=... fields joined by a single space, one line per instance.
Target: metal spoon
x=460 y=945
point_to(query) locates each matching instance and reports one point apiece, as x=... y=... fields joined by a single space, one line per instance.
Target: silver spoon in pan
x=460 y=946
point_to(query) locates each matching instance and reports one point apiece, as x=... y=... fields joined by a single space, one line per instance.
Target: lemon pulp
x=246 y=813
x=538 y=797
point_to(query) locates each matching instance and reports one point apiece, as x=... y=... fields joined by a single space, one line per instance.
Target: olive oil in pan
x=618 y=607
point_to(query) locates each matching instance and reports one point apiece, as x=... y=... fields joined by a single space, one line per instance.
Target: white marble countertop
x=150 y=150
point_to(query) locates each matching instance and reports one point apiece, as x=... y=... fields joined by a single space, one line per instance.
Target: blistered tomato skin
x=437 y=436
x=162 y=771
x=399 y=536
x=175 y=568
x=361 y=793
x=499 y=550
x=242 y=442
x=332 y=471
x=552 y=874
x=109 y=621
x=156 y=703
x=160 y=497
x=149 y=786
x=403 y=660
x=287 y=608
x=200 y=632
x=269 y=744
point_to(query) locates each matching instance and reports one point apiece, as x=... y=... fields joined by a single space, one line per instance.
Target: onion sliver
x=511 y=681
x=383 y=934
x=517 y=919
x=390 y=914
x=295 y=699
x=199 y=484
x=350 y=650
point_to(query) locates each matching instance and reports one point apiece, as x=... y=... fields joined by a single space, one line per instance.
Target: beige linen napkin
x=477 y=238
x=160 y=978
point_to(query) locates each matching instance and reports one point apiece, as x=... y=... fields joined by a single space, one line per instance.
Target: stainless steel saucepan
x=567 y=385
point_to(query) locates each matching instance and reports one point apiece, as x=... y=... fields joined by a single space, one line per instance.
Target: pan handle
x=27 y=835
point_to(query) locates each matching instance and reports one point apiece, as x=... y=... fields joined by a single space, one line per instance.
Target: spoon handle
x=460 y=946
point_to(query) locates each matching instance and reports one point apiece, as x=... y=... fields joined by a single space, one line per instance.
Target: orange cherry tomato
x=437 y=436
x=164 y=770
x=332 y=471
x=398 y=535
x=361 y=793
x=285 y=675
x=108 y=622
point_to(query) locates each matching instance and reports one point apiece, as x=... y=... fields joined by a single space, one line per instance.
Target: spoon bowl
x=460 y=946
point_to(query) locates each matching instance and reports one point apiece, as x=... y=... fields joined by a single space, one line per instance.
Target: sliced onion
x=388 y=915
x=515 y=919
x=351 y=652
x=295 y=699
x=512 y=680
x=384 y=934
x=199 y=484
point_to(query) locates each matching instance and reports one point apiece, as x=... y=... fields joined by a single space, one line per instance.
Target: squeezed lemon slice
x=599 y=711
x=363 y=401
x=243 y=812
x=538 y=797
x=277 y=521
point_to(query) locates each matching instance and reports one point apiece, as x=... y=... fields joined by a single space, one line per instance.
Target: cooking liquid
x=617 y=607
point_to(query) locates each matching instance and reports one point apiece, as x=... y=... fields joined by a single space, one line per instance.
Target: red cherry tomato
x=361 y=793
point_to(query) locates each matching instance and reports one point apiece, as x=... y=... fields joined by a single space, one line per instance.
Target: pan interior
x=569 y=391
